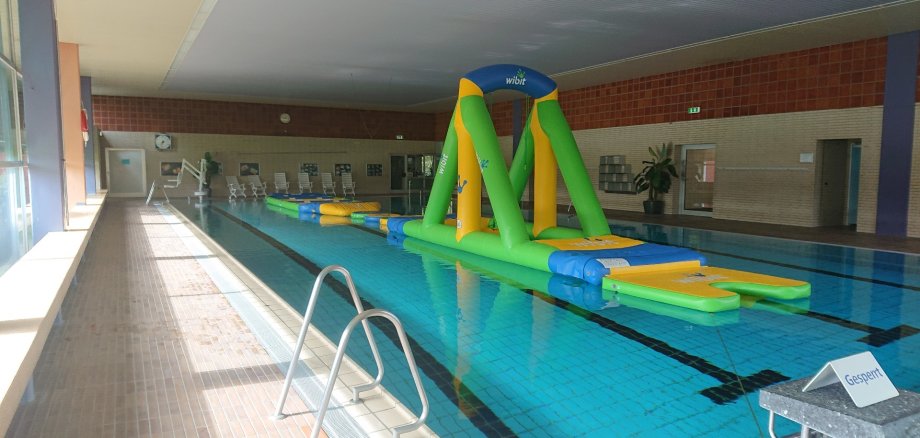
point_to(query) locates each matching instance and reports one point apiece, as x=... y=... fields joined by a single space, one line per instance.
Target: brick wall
x=841 y=76
x=143 y=114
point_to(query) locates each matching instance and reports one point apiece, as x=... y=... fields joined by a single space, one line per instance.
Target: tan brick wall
x=758 y=174
x=274 y=154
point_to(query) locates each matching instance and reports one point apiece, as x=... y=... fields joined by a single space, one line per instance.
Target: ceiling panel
x=410 y=53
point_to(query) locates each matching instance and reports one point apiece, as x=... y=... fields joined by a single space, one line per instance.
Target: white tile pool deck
x=150 y=346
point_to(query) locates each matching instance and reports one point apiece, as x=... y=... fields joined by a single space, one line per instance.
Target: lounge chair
x=257 y=185
x=236 y=189
x=281 y=182
x=347 y=184
x=304 y=183
x=328 y=183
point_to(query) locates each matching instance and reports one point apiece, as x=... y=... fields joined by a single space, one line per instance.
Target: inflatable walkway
x=320 y=204
x=472 y=157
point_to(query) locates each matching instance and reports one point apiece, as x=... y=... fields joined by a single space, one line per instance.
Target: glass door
x=698 y=177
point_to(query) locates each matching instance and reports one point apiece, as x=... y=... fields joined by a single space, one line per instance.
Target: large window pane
x=14 y=225
x=6 y=30
x=9 y=125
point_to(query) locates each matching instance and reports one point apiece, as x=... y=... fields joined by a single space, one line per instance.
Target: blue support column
x=42 y=115
x=89 y=149
x=897 y=134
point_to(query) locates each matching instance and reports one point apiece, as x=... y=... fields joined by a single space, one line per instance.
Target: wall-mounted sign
x=861 y=376
x=693 y=110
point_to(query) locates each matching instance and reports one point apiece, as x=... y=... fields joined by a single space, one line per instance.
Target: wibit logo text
x=517 y=79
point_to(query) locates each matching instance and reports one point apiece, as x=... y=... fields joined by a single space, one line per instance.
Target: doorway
x=412 y=172
x=398 y=172
x=853 y=183
x=698 y=177
x=837 y=172
x=126 y=172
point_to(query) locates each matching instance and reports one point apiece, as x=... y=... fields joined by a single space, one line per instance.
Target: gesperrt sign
x=862 y=377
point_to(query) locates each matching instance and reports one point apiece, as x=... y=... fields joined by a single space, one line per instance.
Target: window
x=15 y=208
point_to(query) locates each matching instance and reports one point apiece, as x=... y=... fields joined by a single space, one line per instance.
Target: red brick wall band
x=117 y=113
x=840 y=76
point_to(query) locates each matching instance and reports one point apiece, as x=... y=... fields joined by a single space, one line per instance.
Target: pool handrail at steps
x=361 y=317
x=337 y=363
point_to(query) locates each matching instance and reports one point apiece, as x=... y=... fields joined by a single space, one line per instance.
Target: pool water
x=507 y=351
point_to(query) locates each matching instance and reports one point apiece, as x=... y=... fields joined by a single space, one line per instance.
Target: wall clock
x=163 y=142
x=285 y=118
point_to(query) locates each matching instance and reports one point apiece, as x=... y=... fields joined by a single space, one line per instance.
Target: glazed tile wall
x=758 y=174
x=274 y=154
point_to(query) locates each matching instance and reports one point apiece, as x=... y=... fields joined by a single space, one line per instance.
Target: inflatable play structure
x=472 y=157
x=320 y=204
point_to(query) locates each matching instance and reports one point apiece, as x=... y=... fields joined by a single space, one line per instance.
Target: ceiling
x=409 y=54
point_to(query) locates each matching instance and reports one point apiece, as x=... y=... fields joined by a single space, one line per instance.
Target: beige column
x=69 y=64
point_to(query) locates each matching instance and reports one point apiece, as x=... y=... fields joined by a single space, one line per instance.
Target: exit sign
x=693 y=110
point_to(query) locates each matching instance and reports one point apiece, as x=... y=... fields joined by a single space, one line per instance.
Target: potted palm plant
x=211 y=168
x=656 y=177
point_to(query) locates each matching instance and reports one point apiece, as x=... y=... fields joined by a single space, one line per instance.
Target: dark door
x=833 y=191
x=397 y=172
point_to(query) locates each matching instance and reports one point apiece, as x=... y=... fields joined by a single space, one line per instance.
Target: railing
x=346 y=334
x=196 y=173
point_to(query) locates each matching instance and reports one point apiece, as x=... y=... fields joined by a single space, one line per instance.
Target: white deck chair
x=236 y=189
x=328 y=183
x=303 y=181
x=281 y=182
x=257 y=185
x=347 y=184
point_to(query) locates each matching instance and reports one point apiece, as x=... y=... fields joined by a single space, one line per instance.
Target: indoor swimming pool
x=505 y=350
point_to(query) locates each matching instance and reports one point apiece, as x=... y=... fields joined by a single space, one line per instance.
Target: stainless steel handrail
x=308 y=315
x=337 y=363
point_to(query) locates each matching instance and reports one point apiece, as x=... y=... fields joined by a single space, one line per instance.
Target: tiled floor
x=149 y=347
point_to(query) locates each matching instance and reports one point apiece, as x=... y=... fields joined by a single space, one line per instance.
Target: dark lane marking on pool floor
x=806 y=268
x=733 y=386
x=876 y=337
x=455 y=390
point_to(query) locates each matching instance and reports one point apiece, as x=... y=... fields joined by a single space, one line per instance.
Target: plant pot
x=653 y=207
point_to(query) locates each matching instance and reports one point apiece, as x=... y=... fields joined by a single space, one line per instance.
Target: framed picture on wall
x=375 y=170
x=170 y=168
x=249 y=169
x=341 y=168
x=311 y=169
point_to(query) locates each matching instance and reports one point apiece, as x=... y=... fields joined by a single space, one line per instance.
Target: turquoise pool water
x=505 y=351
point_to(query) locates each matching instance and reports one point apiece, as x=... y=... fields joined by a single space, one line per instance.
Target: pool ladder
x=361 y=317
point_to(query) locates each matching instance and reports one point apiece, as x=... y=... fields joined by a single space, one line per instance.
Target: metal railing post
x=337 y=363
x=308 y=315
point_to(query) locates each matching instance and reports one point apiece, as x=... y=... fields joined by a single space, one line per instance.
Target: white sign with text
x=861 y=376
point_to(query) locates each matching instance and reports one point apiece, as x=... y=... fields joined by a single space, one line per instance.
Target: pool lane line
x=377 y=233
x=466 y=401
x=805 y=268
x=876 y=337
x=733 y=386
